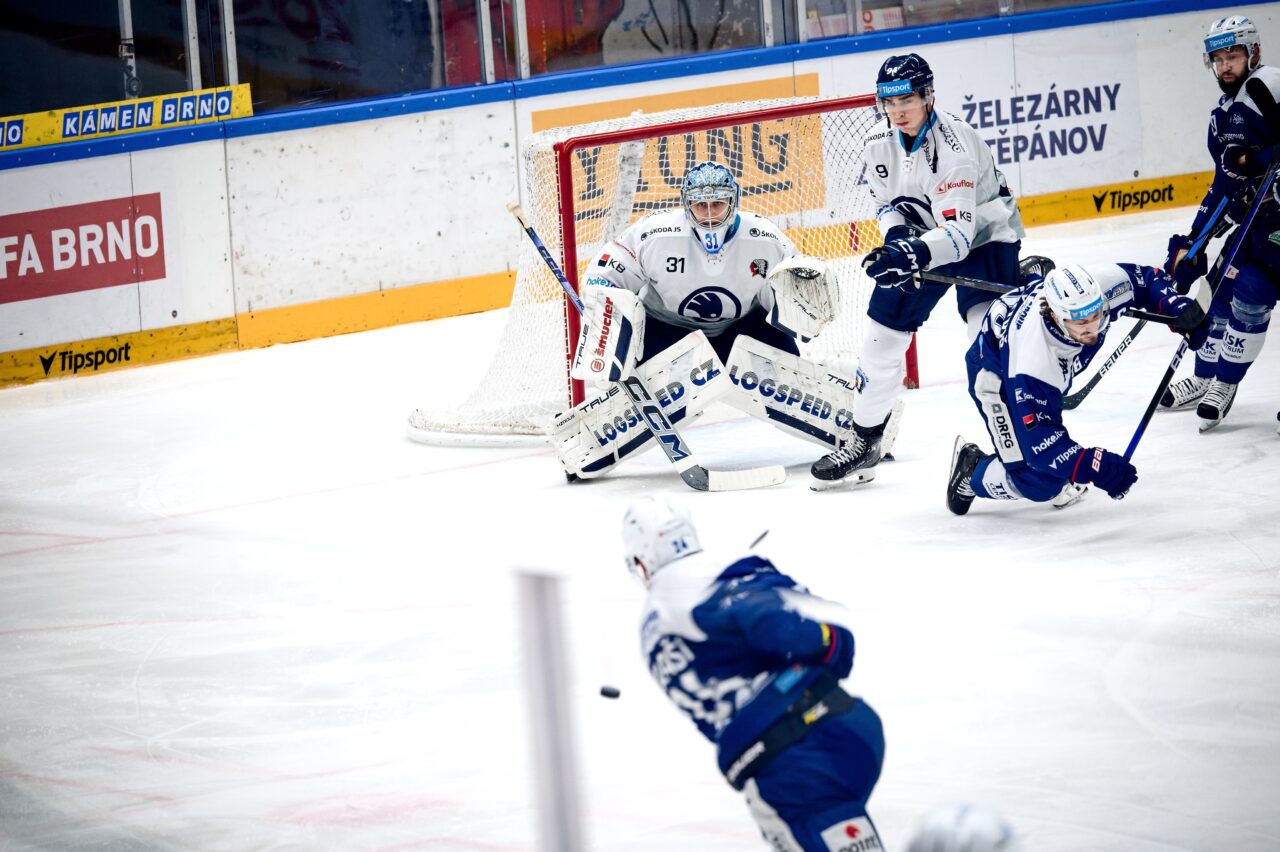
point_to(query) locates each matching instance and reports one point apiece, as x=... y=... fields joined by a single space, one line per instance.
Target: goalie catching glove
x=612 y=336
x=805 y=296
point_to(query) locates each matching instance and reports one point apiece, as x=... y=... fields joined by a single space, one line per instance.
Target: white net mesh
x=799 y=162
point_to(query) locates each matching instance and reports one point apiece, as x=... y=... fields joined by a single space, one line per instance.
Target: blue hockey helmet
x=1231 y=31
x=709 y=181
x=655 y=533
x=902 y=75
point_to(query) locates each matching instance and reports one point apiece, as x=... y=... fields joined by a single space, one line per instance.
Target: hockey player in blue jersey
x=1033 y=342
x=1243 y=130
x=755 y=661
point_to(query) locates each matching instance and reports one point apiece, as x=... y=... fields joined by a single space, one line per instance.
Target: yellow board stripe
x=480 y=293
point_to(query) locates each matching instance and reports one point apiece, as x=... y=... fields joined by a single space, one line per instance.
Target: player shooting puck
x=610 y=691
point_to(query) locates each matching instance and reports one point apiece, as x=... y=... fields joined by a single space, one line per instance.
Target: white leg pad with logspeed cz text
x=601 y=431
x=800 y=397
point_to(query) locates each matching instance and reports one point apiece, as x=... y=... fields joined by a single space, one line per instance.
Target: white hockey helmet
x=655 y=533
x=1072 y=293
x=1231 y=31
x=710 y=181
x=963 y=828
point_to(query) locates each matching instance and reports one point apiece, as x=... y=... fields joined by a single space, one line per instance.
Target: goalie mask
x=710 y=197
x=655 y=533
x=1073 y=295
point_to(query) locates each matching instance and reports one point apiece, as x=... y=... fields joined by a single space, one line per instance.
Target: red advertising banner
x=81 y=247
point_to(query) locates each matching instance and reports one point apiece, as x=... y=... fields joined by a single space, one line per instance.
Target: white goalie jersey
x=660 y=259
x=948 y=185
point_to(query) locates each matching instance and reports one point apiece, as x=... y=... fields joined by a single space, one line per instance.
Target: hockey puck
x=610 y=691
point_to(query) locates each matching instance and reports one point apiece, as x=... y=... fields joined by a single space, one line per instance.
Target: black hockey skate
x=1215 y=404
x=964 y=458
x=853 y=464
x=1184 y=393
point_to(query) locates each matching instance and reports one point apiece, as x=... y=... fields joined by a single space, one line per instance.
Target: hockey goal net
x=799 y=162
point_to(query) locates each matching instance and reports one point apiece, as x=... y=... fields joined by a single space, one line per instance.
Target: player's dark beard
x=1233 y=88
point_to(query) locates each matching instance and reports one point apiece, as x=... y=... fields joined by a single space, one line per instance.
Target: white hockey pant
x=881 y=368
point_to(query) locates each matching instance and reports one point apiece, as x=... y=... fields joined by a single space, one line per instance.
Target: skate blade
x=1206 y=425
x=858 y=477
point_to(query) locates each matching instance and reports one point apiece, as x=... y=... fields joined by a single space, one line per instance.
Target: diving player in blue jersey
x=1243 y=130
x=1033 y=342
x=755 y=662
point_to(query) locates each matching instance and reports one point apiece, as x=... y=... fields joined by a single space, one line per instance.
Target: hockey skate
x=853 y=464
x=1070 y=495
x=1216 y=403
x=1183 y=394
x=964 y=458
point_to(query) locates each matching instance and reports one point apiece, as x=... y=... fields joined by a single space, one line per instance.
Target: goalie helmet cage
x=799 y=163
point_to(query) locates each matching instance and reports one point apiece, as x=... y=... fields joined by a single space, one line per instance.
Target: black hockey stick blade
x=678 y=453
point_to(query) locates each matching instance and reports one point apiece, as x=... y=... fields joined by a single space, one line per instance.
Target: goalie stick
x=695 y=475
x=1263 y=189
x=1187 y=321
x=1211 y=230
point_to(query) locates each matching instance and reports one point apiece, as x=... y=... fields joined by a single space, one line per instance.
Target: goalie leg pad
x=799 y=397
x=594 y=436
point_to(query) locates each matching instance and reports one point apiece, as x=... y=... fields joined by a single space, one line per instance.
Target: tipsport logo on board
x=81 y=247
x=121 y=117
x=1030 y=126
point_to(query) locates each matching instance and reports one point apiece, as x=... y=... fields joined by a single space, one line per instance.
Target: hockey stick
x=1263 y=189
x=695 y=475
x=1181 y=322
x=1071 y=401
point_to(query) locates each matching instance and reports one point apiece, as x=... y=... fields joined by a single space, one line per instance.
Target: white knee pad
x=880 y=371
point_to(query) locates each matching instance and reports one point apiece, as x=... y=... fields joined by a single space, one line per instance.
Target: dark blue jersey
x=732 y=647
x=1238 y=121
x=1027 y=361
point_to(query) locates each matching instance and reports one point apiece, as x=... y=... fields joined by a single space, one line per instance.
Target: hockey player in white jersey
x=1033 y=342
x=1243 y=131
x=706 y=301
x=755 y=661
x=943 y=207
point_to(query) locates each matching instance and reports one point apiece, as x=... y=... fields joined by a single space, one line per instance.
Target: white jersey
x=948 y=183
x=662 y=260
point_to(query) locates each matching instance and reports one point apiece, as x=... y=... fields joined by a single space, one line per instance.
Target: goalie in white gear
x=717 y=272
x=755 y=662
x=944 y=207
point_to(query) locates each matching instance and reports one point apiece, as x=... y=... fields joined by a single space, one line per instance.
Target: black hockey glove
x=1243 y=162
x=895 y=264
x=1110 y=472
x=1184 y=271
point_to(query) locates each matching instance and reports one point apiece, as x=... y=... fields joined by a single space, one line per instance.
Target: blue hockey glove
x=1185 y=271
x=899 y=232
x=1110 y=472
x=895 y=264
x=838 y=655
x=1243 y=162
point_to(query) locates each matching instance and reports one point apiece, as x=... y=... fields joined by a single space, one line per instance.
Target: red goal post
x=799 y=163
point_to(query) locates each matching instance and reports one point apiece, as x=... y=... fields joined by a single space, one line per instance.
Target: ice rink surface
x=239 y=610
